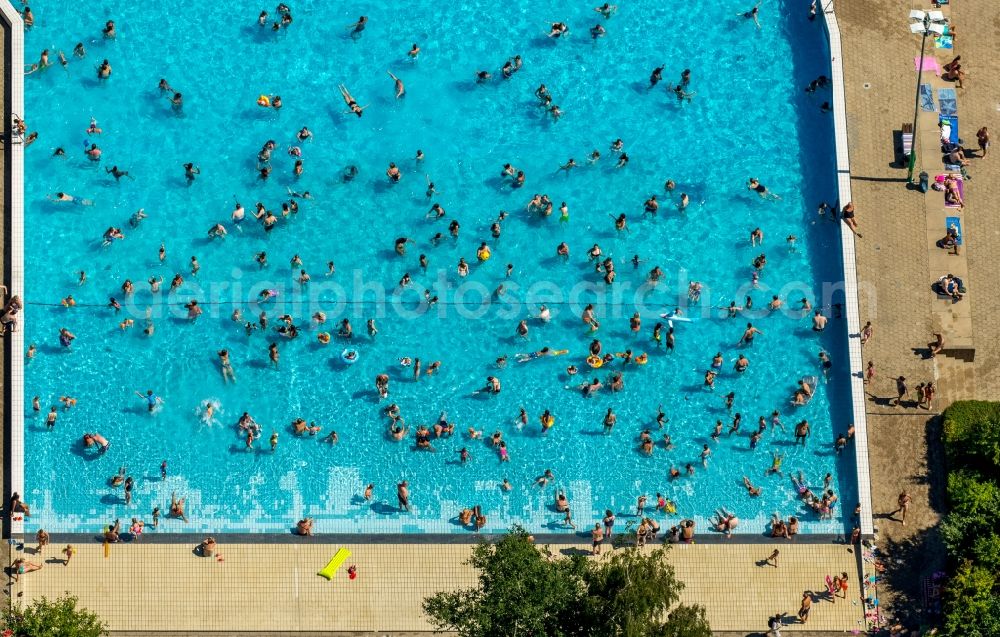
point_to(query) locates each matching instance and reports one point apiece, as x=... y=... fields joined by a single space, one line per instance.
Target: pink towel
x=930 y=64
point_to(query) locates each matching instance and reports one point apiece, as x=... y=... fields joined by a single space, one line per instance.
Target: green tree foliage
x=685 y=621
x=972 y=435
x=58 y=618
x=974 y=505
x=972 y=445
x=524 y=590
x=973 y=603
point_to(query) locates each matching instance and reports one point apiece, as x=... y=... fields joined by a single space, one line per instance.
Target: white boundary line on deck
x=15 y=179
x=850 y=274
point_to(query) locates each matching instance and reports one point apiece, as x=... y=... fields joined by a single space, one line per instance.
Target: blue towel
x=953 y=120
x=954 y=221
x=927 y=98
x=948 y=101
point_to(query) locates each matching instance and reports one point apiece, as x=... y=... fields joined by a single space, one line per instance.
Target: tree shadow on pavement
x=911 y=561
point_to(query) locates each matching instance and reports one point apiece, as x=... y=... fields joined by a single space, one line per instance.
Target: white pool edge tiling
x=15 y=243
x=847 y=238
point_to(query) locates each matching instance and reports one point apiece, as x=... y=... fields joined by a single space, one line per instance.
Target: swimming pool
x=749 y=117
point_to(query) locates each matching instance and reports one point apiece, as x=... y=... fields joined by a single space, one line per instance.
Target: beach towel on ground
x=955 y=222
x=943 y=42
x=949 y=128
x=948 y=101
x=930 y=64
x=927 y=98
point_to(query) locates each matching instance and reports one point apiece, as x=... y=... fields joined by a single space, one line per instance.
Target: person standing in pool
x=656 y=76
x=610 y=418
x=748 y=335
x=358 y=27
x=403 y=495
x=152 y=400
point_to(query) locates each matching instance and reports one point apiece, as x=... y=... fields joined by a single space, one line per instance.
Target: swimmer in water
x=400 y=89
x=752 y=14
x=352 y=104
x=61 y=197
x=761 y=189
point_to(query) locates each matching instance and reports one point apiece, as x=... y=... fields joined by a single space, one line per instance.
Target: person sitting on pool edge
x=207 y=547
x=304 y=526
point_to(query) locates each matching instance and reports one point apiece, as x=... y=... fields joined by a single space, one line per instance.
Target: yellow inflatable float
x=331 y=567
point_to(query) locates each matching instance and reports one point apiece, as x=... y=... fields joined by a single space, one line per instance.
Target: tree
x=972 y=445
x=520 y=592
x=974 y=503
x=686 y=621
x=524 y=590
x=59 y=618
x=972 y=603
x=972 y=435
x=630 y=593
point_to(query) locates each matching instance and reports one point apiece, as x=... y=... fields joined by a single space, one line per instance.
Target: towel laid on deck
x=927 y=98
x=948 y=101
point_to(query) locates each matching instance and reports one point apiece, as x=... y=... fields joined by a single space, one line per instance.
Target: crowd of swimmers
x=662 y=336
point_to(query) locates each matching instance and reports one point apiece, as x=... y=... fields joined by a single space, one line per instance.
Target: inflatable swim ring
x=484 y=254
x=594 y=361
x=548 y=422
x=323 y=337
x=670 y=507
x=264 y=101
x=641 y=359
x=349 y=356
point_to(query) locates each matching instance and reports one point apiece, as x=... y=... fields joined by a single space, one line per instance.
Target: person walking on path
x=927 y=396
x=866 y=332
x=843 y=586
x=805 y=606
x=772 y=559
x=774 y=625
x=900 y=390
x=903 y=502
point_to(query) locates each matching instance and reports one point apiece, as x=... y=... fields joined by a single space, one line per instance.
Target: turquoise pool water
x=749 y=117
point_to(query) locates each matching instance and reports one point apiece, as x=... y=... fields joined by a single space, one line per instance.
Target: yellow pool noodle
x=331 y=567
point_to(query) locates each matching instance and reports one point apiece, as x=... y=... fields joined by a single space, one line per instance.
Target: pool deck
x=897 y=260
x=275 y=587
x=172 y=589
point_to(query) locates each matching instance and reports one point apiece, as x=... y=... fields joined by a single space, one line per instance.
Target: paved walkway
x=897 y=261
x=275 y=588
